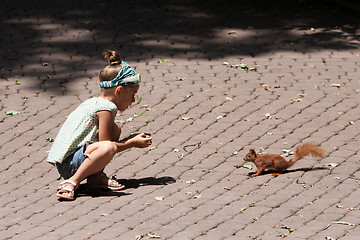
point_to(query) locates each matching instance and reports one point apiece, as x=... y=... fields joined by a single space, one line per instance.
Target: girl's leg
x=100 y=177
x=100 y=154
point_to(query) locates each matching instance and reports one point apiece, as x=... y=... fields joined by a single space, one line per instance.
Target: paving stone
x=305 y=89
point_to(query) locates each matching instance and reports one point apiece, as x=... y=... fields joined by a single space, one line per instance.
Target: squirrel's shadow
x=85 y=190
x=135 y=183
x=292 y=170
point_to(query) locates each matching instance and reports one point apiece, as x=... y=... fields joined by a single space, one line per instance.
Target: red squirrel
x=277 y=162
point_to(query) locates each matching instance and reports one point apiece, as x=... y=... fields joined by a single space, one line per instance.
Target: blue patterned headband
x=126 y=76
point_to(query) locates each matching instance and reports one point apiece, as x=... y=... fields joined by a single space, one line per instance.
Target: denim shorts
x=72 y=163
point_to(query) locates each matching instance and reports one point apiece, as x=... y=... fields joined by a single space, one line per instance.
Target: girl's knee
x=109 y=148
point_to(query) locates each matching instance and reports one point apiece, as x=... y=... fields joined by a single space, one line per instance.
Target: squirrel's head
x=251 y=156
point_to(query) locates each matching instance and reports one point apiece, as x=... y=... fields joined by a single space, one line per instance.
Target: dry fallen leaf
x=186 y=118
x=191 y=181
x=160 y=198
x=344 y=223
x=231 y=32
x=248 y=166
x=153 y=235
x=338 y=85
x=197 y=196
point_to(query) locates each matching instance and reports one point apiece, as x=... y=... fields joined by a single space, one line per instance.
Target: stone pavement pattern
x=203 y=108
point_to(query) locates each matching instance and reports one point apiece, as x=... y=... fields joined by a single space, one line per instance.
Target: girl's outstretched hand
x=141 y=140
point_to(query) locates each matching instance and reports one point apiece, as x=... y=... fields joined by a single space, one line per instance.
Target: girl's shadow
x=85 y=190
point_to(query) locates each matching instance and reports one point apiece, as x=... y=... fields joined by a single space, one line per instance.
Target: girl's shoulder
x=98 y=104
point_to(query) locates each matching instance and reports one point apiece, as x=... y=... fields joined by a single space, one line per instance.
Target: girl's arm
x=107 y=129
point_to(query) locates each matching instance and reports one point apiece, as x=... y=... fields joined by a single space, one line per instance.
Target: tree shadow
x=308 y=169
x=59 y=42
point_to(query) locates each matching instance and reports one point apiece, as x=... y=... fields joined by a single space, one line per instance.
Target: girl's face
x=125 y=96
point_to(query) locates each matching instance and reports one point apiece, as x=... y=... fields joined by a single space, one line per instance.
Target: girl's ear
x=118 y=90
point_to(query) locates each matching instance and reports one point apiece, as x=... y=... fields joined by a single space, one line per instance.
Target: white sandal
x=65 y=192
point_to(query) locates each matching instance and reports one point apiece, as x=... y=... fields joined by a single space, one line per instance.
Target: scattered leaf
x=226 y=63
x=338 y=85
x=176 y=150
x=17 y=81
x=234 y=153
x=332 y=165
x=181 y=156
x=242 y=66
x=298 y=181
x=186 y=118
x=280 y=234
x=283 y=226
x=160 y=198
x=231 y=32
x=293 y=212
x=163 y=60
x=152 y=148
x=137 y=36
x=286 y=151
x=266 y=87
x=153 y=235
x=139 y=98
x=219 y=117
x=329 y=238
x=344 y=223
x=191 y=181
x=243 y=209
x=139 y=237
x=139 y=114
x=12 y=112
x=248 y=166
x=50 y=139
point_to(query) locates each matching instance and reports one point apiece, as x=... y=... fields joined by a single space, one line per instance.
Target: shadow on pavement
x=135 y=183
x=293 y=170
x=85 y=190
x=58 y=42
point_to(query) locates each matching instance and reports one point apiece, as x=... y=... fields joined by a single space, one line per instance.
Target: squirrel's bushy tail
x=306 y=150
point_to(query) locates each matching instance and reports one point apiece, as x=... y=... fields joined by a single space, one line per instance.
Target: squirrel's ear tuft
x=252 y=151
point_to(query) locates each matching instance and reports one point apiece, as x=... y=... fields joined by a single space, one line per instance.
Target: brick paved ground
x=203 y=110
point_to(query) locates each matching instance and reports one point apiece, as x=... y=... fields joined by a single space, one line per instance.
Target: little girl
x=89 y=138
